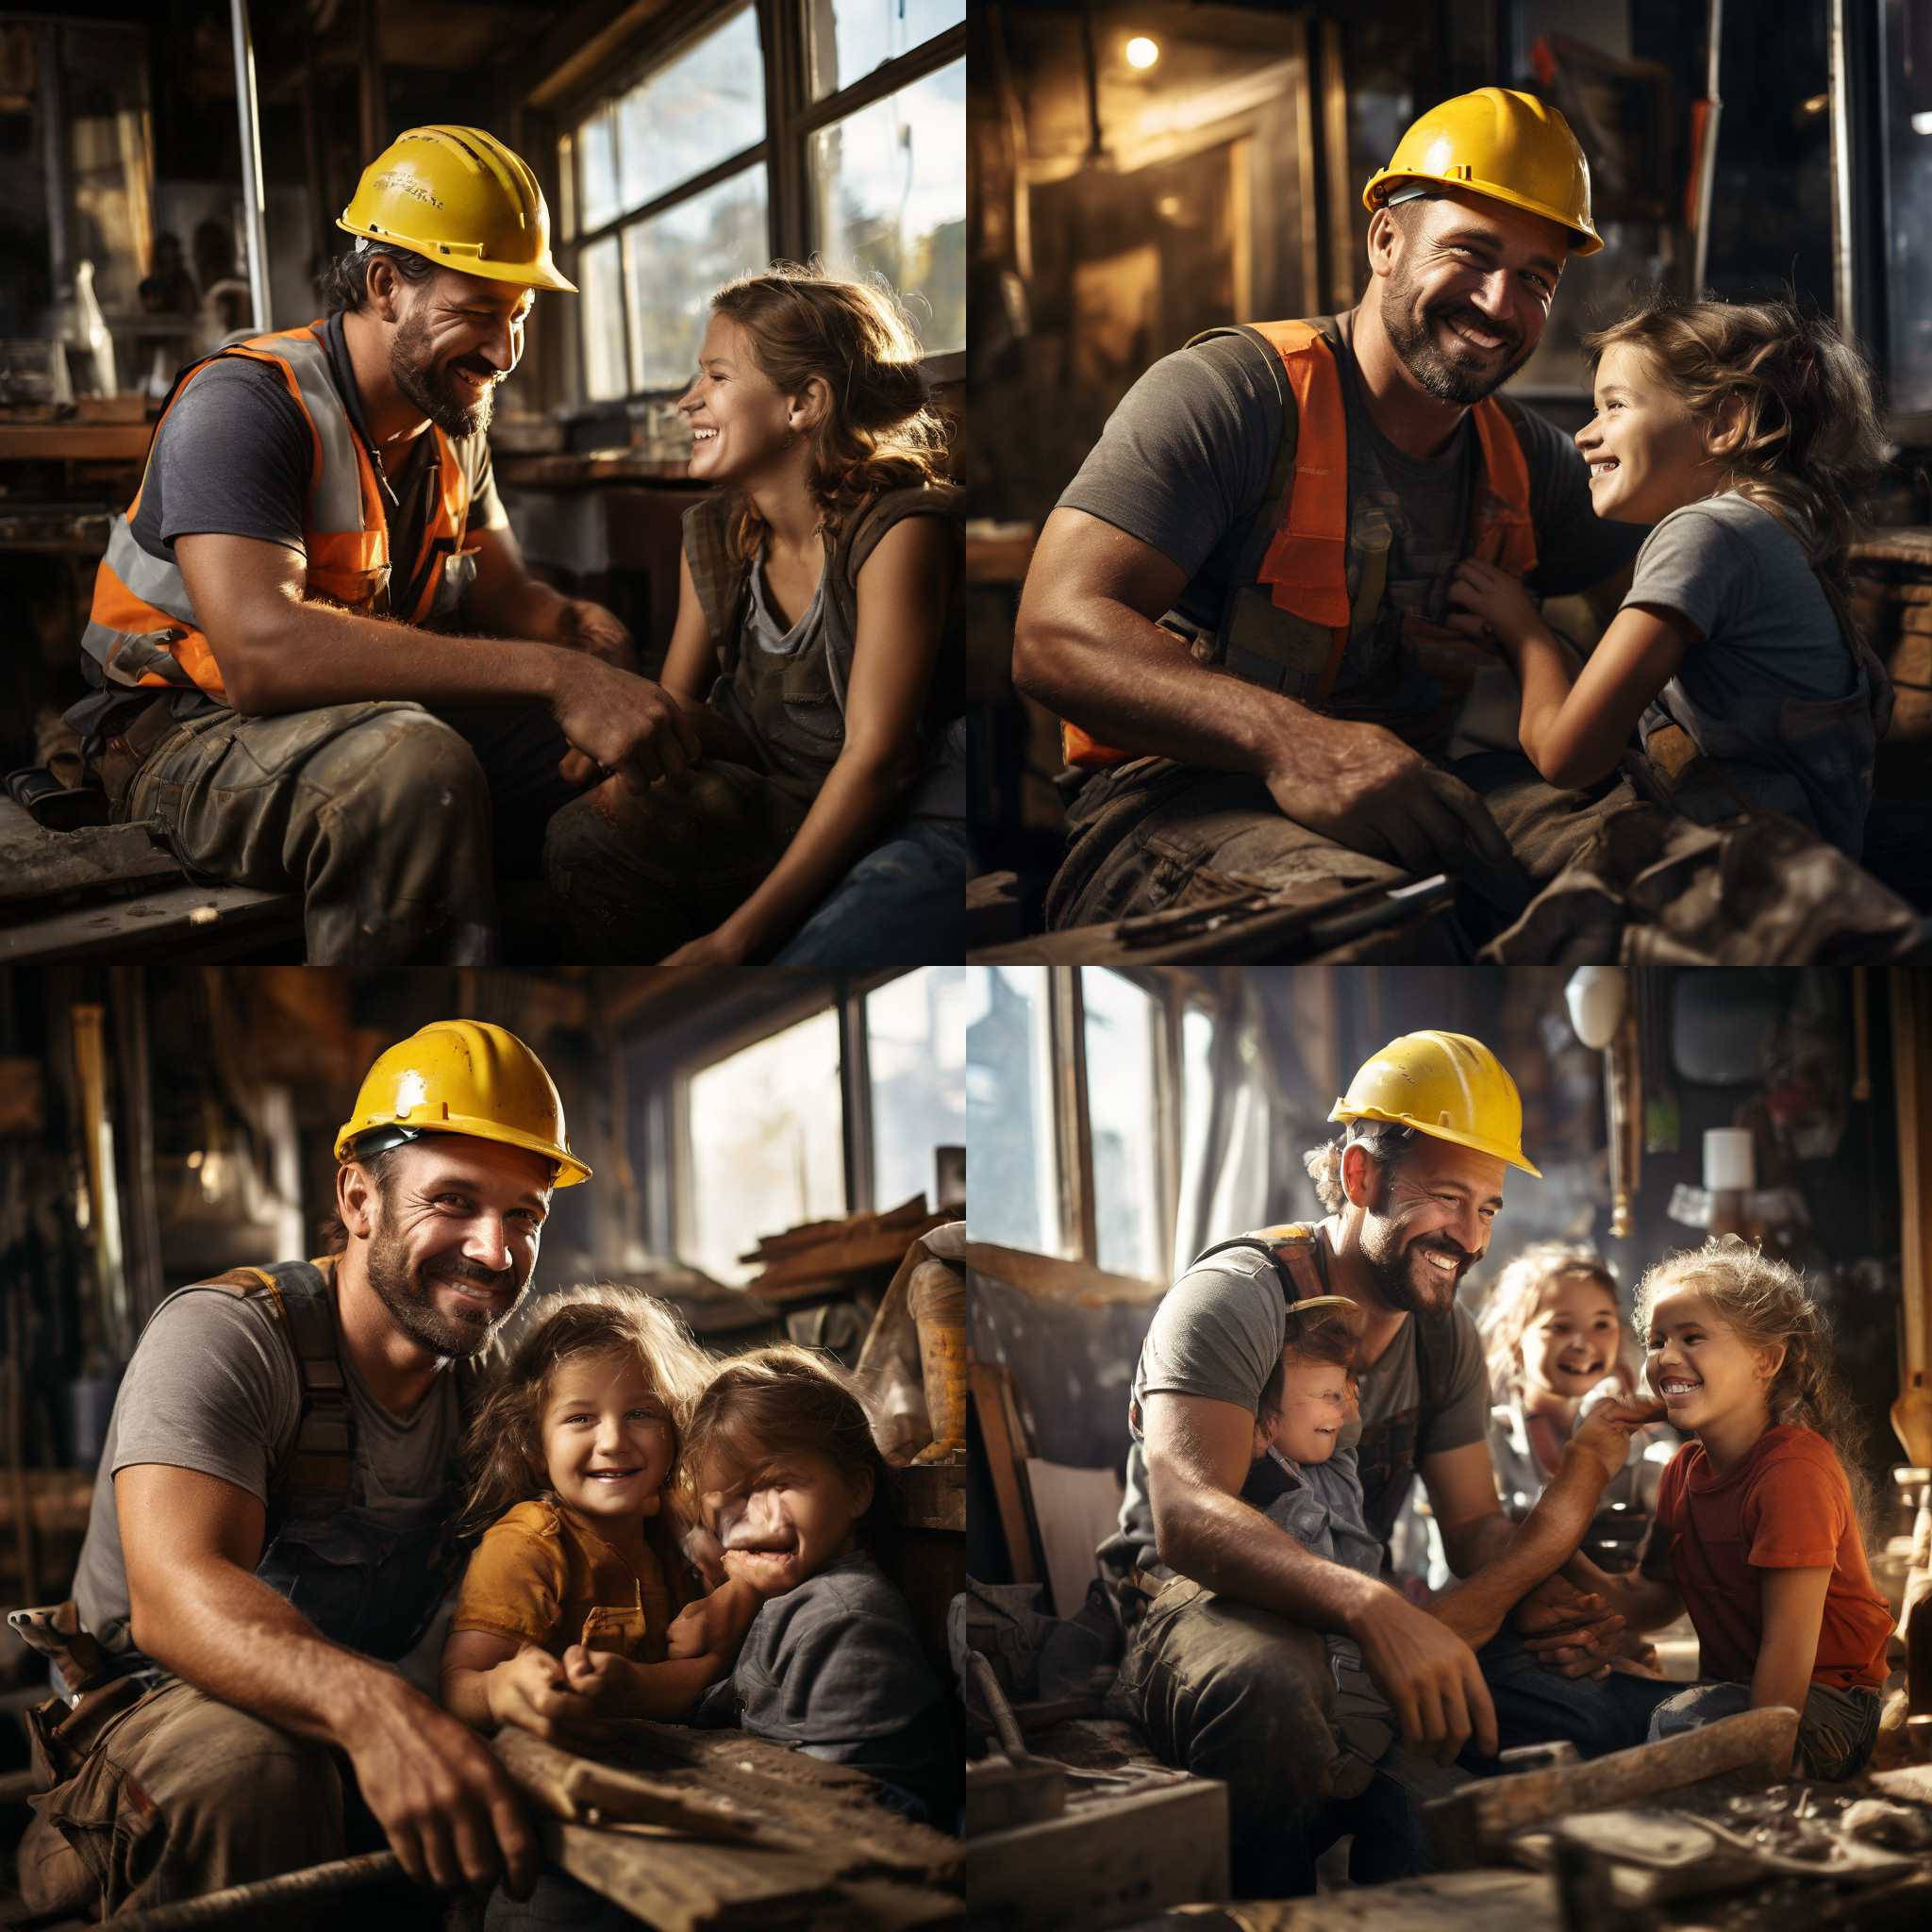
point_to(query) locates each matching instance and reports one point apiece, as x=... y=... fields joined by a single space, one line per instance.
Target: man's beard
x=1407 y=324
x=1391 y=1265
x=413 y=369
x=410 y=1301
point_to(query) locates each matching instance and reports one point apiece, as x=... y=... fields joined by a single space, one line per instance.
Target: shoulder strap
x=719 y=577
x=1294 y=1249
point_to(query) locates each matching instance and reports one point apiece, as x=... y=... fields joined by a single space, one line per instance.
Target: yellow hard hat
x=1507 y=146
x=459 y=197
x=1447 y=1086
x=461 y=1076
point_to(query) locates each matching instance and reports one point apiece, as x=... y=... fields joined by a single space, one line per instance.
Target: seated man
x=270 y=689
x=1225 y=1610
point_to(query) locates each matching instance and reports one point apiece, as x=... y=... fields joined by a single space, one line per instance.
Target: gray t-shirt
x=1733 y=569
x=1185 y=460
x=1219 y=1331
x=213 y=1387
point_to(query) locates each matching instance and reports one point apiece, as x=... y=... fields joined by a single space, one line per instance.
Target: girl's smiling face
x=1700 y=1365
x=738 y=420
x=607 y=1439
x=1571 y=1343
x=784 y=1517
x=1645 y=450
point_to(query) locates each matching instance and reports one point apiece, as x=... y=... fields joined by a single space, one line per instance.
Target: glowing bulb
x=1141 y=52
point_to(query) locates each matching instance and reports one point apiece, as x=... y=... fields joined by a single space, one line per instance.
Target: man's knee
x=415 y=769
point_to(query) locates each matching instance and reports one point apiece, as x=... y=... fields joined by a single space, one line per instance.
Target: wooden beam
x=1049 y=1277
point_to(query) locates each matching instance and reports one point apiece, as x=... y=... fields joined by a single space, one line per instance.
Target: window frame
x=791 y=120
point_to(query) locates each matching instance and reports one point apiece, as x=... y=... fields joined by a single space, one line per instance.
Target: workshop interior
x=1121 y=1125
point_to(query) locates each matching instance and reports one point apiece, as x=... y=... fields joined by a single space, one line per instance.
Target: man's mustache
x=503 y=1278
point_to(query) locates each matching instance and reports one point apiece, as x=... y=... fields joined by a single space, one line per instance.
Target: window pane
x=567 y=189
x=888 y=185
x=849 y=38
x=603 y=310
x=915 y=1040
x=1120 y=1110
x=1197 y=1097
x=1012 y=1167
x=675 y=260
x=706 y=106
x=597 y=184
x=767 y=1145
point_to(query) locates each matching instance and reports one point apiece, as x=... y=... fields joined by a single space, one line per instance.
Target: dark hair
x=1387 y=1142
x=1323 y=1337
x=1811 y=444
x=343 y=285
x=881 y=432
x=787 y=1400
x=380 y=1168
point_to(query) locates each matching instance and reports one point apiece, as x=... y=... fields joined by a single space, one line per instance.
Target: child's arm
x=1576 y=722
x=616 y=1687
x=489 y=1680
x=1647 y=1597
x=1792 y=1613
x=716 y=1622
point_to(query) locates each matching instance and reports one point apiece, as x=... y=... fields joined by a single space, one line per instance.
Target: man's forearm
x=1510 y=1560
x=526 y=608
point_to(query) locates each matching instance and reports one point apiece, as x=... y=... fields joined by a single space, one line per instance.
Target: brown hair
x=1811 y=441
x=380 y=1169
x=1515 y=1297
x=502 y=1447
x=1387 y=1142
x=1764 y=1301
x=1323 y=1335
x=786 y=1400
x=881 y=431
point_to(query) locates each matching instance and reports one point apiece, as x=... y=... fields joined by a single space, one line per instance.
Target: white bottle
x=91 y=330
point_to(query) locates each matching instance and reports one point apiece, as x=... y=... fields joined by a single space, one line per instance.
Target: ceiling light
x=1141 y=52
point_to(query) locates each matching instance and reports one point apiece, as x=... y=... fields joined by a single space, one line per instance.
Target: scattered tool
x=259 y=1903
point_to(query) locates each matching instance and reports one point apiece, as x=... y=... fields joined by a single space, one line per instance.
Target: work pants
x=1234 y=1693
x=389 y=820
x=1837 y=1730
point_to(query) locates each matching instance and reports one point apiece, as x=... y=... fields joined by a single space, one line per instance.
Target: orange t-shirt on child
x=543 y=1575
x=1787 y=1506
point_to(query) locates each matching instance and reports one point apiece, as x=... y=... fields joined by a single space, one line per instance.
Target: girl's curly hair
x=1764 y=1301
x=881 y=431
x=1516 y=1295
x=502 y=1447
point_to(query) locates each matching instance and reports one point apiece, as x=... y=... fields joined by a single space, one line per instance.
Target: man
x=275 y=1514
x=1300 y=693
x=271 y=691
x=1224 y=1667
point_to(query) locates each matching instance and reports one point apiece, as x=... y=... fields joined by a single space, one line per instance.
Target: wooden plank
x=1050 y=1277
x=584 y=1790
x=35 y=863
x=683 y=1886
x=215 y=919
x=1005 y=1465
x=76 y=441
x=1446 y=1902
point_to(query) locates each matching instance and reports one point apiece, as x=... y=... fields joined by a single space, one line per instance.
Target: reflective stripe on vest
x=1306 y=567
x=143 y=628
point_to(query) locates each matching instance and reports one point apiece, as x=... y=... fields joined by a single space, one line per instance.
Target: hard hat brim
x=526 y=274
x=1342 y=1112
x=1586 y=239
x=570 y=1169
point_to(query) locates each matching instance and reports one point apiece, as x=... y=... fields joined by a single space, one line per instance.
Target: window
x=915 y=1038
x=1012 y=1189
x=778 y=130
x=1119 y=1018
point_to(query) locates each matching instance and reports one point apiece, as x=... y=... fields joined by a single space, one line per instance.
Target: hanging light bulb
x=1141 y=52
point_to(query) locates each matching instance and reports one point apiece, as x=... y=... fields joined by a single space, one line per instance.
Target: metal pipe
x=253 y=227
x=248 y=1901
x=1707 y=159
x=1843 y=278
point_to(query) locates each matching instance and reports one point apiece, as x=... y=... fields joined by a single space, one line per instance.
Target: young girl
x=563 y=1611
x=1756 y=1531
x=1553 y=1337
x=814 y=605
x=1742 y=432
x=781 y=1465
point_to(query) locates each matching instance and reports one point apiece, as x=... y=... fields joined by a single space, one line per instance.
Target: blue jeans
x=904 y=903
x=1837 y=1730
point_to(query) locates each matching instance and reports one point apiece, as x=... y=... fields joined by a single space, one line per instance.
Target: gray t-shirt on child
x=213 y=1387
x=1219 y=1332
x=1733 y=569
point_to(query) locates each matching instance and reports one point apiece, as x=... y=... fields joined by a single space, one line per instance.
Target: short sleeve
x=486 y=508
x=1217 y=1333
x=1695 y=564
x=1796 y=1516
x=1188 y=451
x=233 y=454
x=1574 y=547
x=514 y=1586
x=1462 y=1414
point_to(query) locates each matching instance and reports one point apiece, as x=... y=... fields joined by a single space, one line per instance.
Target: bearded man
x=1225 y=1612
x=273 y=1523
x=271 y=689
x=1239 y=603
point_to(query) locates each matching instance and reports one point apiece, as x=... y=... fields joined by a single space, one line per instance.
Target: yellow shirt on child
x=542 y=1574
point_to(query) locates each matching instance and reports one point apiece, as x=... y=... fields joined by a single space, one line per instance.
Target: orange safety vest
x=143 y=628
x=1304 y=570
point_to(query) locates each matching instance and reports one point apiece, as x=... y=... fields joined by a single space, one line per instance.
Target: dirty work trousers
x=1231 y=1691
x=180 y=1795
x=1837 y=1730
x=670 y=864
x=390 y=821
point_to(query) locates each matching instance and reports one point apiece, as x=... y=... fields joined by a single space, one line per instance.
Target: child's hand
x=533 y=1692
x=697 y=1630
x=763 y=1573
x=592 y=1676
x=1489 y=603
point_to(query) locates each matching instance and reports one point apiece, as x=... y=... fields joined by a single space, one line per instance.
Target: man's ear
x=385 y=287
x=355 y=1199
x=1358 y=1174
x=1385 y=241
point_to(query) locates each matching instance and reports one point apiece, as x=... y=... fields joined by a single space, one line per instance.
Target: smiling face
x=1646 y=452
x=782 y=1518
x=1427 y=1221
x=455 y=337
x=738 y=420
x=1571 y=1343
x=607 y=1438
x=1313 y=1406
x=1465 y=289
x=452 y=1232
x=1702 y=1367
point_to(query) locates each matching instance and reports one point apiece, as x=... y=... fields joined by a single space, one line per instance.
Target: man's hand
x=451 y=1812
x=598 y=633
x=624 y=724
x=1429 y=1676
x=1603 y=1435
x=1568 y=1629
x=1360 y=785
x=533 y=1692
